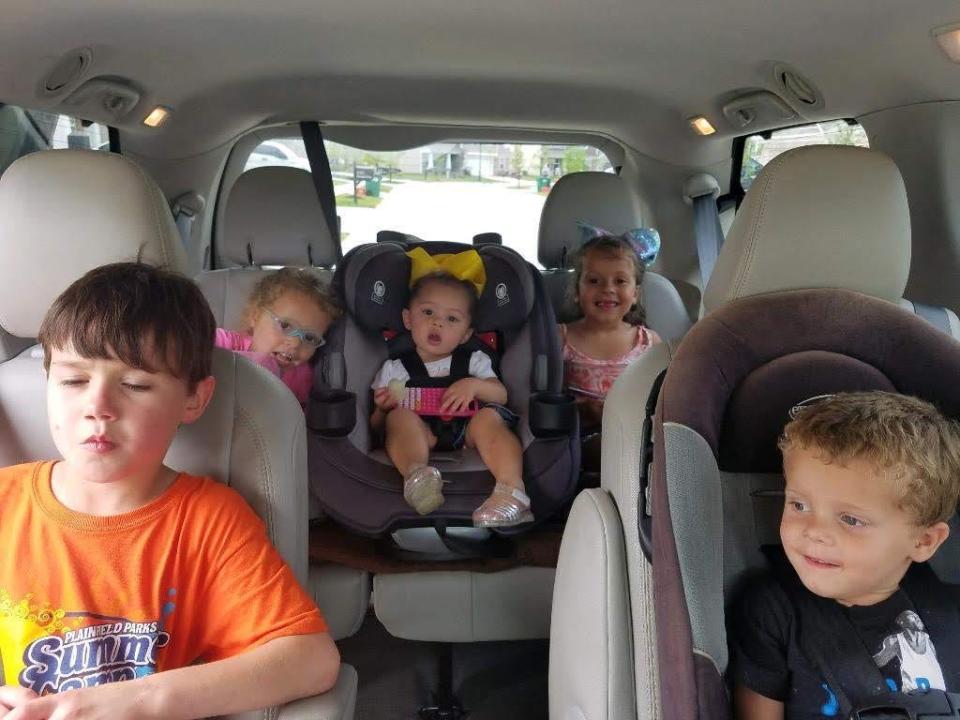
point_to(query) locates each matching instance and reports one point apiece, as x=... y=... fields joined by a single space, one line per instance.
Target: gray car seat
x=252 y=435
x=606 y=201
x=817 y=217
x=352 y=478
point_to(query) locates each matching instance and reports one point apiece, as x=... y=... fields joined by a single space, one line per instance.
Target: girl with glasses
x=286 y=319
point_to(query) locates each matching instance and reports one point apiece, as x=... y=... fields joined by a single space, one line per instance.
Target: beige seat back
x=252 y=435
x=273 y=218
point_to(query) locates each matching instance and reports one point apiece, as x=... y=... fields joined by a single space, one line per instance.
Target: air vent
x=797 y=89
x=66 y=72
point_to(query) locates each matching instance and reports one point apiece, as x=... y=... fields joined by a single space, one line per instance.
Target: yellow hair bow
x=466 y=265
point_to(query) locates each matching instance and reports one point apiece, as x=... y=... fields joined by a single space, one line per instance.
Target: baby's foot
x=506 y=506
x=422 y=489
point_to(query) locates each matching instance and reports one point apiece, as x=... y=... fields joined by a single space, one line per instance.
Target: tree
x=516 y=162
x=574 y=159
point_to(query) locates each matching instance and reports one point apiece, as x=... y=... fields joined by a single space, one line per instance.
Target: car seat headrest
x=274 y=217
x=596 y=198
x=373 y=281
x=819 y=216
x=66 y=212
x=740 y=369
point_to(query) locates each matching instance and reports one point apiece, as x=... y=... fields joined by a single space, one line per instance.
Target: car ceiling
x=634 y=70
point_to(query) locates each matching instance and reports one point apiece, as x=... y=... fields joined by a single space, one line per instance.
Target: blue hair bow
x=644 y=241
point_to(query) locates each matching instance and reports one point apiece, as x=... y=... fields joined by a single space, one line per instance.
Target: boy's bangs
x=138 y=342
x=145 y=317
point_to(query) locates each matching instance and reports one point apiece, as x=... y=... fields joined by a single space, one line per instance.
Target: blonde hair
x=272 y=286
x=907 y=440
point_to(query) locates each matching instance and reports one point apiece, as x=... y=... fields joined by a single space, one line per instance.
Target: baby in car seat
x=608 y=333
x=439 y=316
x=286 y=317
x=871 y=479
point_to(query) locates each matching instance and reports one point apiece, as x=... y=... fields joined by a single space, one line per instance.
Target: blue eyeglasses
x=308 y=338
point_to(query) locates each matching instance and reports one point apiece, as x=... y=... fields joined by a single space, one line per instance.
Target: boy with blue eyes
x=439 y=318
x=871 y=479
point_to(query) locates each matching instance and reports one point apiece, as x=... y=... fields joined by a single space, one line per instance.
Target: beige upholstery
x=274 y=217
x=63 y=212
x=820 y=216
x=587 y=683
x=606 y=201
x=252 y=434
x=446 y=606
x=591 y=672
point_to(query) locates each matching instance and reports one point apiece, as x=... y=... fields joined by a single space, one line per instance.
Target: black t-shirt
x=766 y=655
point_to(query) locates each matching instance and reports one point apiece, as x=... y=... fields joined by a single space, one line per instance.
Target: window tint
x=25 y=131
x=443 y=191
x=758 y=150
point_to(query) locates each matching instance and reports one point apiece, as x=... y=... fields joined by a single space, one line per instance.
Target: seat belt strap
x=709 y=233
x=701 y=191
x=322 y=178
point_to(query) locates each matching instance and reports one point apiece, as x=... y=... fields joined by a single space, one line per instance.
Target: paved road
x=450 y=211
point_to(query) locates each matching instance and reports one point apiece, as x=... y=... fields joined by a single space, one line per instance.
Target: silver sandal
x=422 y=489
x=506 y=506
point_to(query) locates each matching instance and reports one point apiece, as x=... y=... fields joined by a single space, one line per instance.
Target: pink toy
x=426 y=401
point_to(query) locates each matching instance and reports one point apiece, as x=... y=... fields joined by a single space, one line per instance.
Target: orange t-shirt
x=189 y=577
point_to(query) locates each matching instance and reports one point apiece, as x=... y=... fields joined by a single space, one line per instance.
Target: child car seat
x=715 y=486
x=353 y=479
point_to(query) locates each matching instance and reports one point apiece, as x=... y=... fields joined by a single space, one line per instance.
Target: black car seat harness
x=447 y=430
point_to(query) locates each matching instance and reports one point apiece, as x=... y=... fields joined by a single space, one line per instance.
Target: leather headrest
x=64 y=212
x=823 y=216
x=596 y=198
x=274 y=217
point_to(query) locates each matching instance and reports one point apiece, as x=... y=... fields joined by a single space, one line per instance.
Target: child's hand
x=112 y=701
x=459 y=395
x=384 y=399
x=13 y=696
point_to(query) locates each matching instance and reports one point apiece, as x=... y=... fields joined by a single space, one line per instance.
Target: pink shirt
x=597 y=376
x=299 y=378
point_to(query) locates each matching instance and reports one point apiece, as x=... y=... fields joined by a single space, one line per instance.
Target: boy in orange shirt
x=116 y=567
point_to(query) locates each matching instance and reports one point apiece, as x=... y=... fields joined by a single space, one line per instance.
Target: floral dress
x=595 y=377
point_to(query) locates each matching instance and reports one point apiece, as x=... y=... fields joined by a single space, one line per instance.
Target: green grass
x=363 y=201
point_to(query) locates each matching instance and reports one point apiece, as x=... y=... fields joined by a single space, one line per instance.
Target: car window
x=24 y=131
x=759 y=150
x=443 y=191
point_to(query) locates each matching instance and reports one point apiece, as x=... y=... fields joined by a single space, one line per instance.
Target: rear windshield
x=444 y=191
x=759 y=150
x=25 y=131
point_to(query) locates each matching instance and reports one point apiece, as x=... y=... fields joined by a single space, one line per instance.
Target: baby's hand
x=459 y=395
x=384 y=399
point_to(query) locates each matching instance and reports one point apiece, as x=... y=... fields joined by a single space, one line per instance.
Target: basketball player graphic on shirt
x=919 y=667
